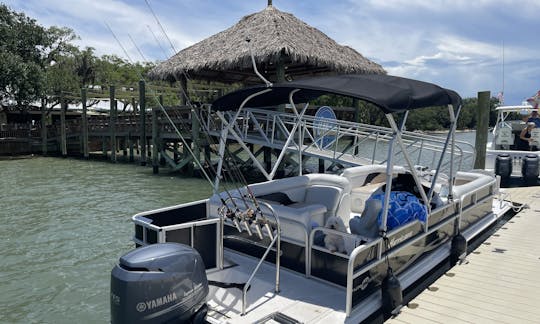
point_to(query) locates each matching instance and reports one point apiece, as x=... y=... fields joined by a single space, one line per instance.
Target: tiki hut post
x=280 y=68
x=184 y=91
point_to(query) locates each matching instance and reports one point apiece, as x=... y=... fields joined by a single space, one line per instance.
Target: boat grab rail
x=474 y=198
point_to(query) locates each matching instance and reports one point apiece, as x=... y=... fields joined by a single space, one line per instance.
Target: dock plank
x=500 y=282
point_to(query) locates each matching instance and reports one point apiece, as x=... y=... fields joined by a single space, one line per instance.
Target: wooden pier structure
x=185 y=138
x=143 y=134
x=500 y=281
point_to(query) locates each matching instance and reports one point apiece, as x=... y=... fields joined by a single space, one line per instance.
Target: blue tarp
x=404 y=208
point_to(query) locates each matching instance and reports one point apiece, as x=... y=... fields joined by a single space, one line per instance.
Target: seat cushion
x=315 y=211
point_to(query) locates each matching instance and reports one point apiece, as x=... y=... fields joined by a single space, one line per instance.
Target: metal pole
x=389 y=173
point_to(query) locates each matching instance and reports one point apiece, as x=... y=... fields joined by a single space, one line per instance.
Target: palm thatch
x=279 y=41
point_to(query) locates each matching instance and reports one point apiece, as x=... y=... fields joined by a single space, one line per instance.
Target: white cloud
x=456 y=43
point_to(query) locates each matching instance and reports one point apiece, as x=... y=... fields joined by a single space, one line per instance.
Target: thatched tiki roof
x=284 y=48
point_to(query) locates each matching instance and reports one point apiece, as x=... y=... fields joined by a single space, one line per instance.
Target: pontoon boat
x=260 y=253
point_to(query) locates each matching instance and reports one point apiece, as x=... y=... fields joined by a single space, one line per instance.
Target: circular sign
x=325 y=126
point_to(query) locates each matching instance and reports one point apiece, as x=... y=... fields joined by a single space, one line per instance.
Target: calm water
x=65 y=222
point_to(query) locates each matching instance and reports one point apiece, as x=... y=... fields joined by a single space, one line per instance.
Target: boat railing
x=475 y=196
x=346 y=142
x=185 y=223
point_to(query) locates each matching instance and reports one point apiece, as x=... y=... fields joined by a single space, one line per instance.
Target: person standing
x=525 y=136
x=534 y=118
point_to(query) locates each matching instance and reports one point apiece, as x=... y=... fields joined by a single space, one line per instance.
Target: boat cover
x=389 y=93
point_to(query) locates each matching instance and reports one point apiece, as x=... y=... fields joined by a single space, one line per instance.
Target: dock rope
x=507 y=197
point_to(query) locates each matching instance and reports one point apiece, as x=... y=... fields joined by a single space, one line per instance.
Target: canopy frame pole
x=449 y=138
x=291 y=134
x=225 y=131
x=389 y=173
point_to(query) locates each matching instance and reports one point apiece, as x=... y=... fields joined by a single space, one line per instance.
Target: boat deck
x=500 y=282
x=325 y=303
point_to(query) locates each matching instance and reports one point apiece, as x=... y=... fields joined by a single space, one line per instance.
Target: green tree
x=22 y=56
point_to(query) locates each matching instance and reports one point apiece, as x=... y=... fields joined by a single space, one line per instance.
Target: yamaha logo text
x=160 y=301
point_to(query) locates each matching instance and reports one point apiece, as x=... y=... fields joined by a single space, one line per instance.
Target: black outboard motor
x=529 y=168
x=159 y=283
x=503 y=166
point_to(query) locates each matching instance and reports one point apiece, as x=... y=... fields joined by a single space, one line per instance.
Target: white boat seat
x=298 y=219
x=301 y=203
x=316 y=211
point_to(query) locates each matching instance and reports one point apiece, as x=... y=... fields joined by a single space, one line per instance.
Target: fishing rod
x=245 y=218
x=177 y=131
x=161 y=26
x=234 y=169
x=157 y=41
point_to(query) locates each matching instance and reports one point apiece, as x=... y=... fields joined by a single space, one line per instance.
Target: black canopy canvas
x=390 y=93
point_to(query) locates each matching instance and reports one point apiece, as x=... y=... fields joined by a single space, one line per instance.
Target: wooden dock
x=499 y=284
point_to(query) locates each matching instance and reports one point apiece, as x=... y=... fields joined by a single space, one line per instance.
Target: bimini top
x=389 y=93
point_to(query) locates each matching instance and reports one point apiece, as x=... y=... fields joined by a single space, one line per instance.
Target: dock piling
x=155 y=141
x=44 y=126
x=130 y=146
x=63 y=139
x=112 y=123
x=482 y=122
x=195 y=132
x=84 y=125
x=142 y=125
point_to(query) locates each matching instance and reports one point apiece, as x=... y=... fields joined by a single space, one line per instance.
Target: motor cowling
x=529 y=168
x=159 y=283
x=503 y=165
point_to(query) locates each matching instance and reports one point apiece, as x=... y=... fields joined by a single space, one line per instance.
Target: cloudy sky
x=457 y=44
